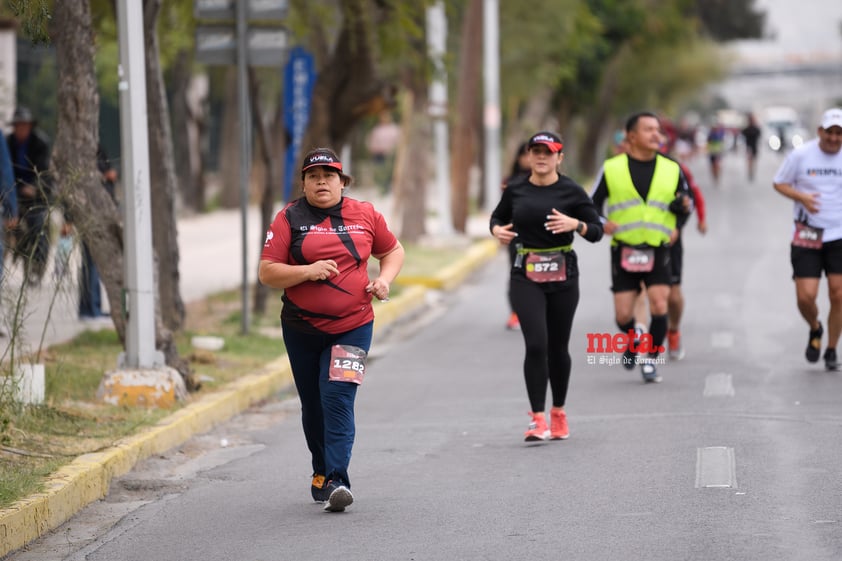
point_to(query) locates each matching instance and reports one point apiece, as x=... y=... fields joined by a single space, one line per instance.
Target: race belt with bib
x=637 y=259
x=544 y=265
x=807 y=236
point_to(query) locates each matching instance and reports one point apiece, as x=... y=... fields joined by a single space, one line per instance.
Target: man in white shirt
x=811 y=176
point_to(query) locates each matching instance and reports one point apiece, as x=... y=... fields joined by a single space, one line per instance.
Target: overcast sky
x=810 y=30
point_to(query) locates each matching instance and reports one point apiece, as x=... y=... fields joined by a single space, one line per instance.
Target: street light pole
x=139 y=292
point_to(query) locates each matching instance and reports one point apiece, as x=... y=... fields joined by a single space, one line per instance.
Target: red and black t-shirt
x=349 y=233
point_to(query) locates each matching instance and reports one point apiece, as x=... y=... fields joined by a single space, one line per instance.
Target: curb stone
x=88 y=478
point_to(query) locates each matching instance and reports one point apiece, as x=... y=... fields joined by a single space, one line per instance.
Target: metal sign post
x=226 y=43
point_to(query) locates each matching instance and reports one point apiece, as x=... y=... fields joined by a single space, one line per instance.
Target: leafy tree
x=590 y=61
x=548 y=61
x=463 y=138
x=726 y=20
x=363 y=49
x=69 y=26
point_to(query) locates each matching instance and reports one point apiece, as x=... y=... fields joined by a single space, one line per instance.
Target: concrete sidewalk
x=210 y=247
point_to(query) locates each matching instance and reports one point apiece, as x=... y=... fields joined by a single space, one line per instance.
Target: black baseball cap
x=321 y=157
x=548 y=139
x=325 y=157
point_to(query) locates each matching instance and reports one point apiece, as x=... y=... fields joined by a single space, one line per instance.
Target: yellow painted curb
x=453 y=275
x=88 y=477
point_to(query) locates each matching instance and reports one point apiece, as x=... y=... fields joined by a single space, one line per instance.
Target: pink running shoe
x=513 y=322
x=537 y=428
x=558 y=425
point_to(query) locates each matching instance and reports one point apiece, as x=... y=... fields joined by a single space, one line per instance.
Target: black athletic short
x=623 y=281
x=809 y=263
x=676 y=261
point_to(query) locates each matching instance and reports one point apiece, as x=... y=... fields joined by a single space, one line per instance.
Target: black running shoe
x=830 y=360
x=814 y=344
x=318 y=488
x=339 y=497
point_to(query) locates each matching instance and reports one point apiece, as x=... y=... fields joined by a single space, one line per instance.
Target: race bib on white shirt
x=809 y=170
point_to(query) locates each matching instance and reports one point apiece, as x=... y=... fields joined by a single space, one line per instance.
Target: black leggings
x=545 y=321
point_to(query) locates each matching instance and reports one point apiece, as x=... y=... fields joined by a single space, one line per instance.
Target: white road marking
x=716 y=468
x=719 y=385
x=722 y=340
x=724 y=301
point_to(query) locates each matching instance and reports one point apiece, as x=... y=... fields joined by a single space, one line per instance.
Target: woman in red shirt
x=317 y=250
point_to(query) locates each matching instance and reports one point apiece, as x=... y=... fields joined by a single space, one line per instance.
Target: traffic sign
x=224 y=9
x=217 y=44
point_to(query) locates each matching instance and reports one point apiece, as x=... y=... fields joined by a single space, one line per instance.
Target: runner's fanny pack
x=544 y=264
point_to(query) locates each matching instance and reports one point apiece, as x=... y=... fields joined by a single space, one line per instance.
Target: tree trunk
x=463 y=141
x=412 y=167
x=272 y=179
x=162 y=179
x=229 y=145
x=347 y=88
x=78 y=183
x=279 y=144
x=197 y=125
x=183 y=157
x=74 y=160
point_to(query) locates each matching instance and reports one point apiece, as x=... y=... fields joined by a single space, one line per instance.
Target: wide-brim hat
x=22 y=115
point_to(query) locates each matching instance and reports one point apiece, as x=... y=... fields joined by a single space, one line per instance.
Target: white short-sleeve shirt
x=810 y=170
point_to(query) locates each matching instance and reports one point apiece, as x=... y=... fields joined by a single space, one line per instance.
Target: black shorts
x=809 y=263
x=623 y=281
x=676 y=261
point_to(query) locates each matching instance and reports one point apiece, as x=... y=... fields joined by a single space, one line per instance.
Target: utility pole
x=142 y=376
x=437 y=47
x=139 y=296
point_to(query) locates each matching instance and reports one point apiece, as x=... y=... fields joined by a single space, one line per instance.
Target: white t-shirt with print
x=810 y=170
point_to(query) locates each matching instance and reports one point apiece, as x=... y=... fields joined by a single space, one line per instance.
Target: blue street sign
x=299 y=76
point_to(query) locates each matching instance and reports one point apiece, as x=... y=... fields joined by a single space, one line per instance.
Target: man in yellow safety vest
x=642 y=192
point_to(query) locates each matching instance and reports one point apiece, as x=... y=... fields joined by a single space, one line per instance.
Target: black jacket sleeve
x=502 y=213
x=586 y=211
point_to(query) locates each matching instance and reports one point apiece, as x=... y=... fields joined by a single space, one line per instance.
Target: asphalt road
x=734 y=456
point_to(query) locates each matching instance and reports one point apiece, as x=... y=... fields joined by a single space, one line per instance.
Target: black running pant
x=546 y=318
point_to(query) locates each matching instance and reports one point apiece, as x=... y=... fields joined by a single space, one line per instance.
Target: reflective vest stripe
x=650 y=225
x=624 y=205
